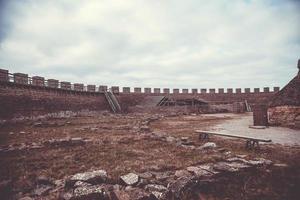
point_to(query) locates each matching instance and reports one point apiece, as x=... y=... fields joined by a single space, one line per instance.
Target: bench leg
x=250 y=144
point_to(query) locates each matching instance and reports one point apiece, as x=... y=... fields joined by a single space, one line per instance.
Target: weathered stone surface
x=154 y=187
x=198 y=172
x=259 y=162
x=139 y=194
x=90 y=193
x=93 y=177
x=82 y=184
x=146 y=175
x=157 y=190
x=44 y=180
x=180 y=186
x=42 y=190
x=224 y=167
x=208 y=145
x=130 y=179
x=120 y=195
x=180 y=173
x=285 y=116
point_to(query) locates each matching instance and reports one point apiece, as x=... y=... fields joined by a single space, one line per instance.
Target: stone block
x=203 y=91
x=78 y=86
x=137 y=90
x=4 y=75
x=194 y=91
x=91 y=88
x=65 y=85
x=38 y=81
x=157 y=90
x=130 y=179
x=176 y=91
x=212 y=91
x=126 y=89
x=238 y=90
x=276 y=89
x=266 y=89
x=115 y=89
x=166 y=90
x=256 y=90
x=221 y=90
x=52 y=83
x=185 y=91
x=147 y=90
x=21 y=78
x=229 y=90
x=102 y=88
x=247 y=90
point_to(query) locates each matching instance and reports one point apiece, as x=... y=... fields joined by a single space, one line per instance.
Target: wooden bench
x=250 y=141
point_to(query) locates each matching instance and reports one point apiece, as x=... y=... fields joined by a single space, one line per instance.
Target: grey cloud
x=189 y=44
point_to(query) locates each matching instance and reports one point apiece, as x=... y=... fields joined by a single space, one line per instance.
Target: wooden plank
x=234 y=136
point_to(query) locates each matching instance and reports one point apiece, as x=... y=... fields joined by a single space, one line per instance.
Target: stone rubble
x=130 y=179
x=52 y=142
x=150 y=185
x=208 y=145
x=92 y=177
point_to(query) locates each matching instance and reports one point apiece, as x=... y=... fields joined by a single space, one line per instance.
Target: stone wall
x=288 y=116
x=25 y=95
x=19 y=101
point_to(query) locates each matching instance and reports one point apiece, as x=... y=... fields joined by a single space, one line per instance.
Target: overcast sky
x=153 y=43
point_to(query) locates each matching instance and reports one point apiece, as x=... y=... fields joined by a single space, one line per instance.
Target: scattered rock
x=145 y=128
x=171 y=139
x=180 y=173
x=177 y=188
x=42 y=179
x=280 y=165
x=146 y=175
x=208 y=145
x=93 y=177
x=140 y=194
x=42 y=190
x=82 y=184
x=198 y=172
x=130 y=179
x=184 y=139
x=259 y=162
x=230 y=167
x=120 y=195
x=155 y=188
x=90 y=193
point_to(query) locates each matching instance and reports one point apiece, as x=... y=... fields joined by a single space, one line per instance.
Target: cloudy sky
x=153 y=43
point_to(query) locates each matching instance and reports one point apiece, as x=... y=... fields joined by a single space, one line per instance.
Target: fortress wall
x=24 y=95
x=19 y=101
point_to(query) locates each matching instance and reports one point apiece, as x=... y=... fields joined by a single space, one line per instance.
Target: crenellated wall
x=21 y=94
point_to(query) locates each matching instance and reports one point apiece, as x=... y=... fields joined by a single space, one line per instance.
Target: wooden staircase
x=112 y=101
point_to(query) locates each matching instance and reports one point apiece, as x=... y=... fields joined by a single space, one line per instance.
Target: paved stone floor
x=239 y=125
